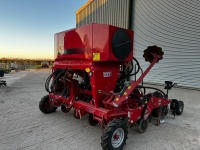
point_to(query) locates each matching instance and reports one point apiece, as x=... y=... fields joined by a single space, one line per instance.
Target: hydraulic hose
x=138 y=69
x=58 y=74
x=147 y=87
x=126 y=73
x=49 y=79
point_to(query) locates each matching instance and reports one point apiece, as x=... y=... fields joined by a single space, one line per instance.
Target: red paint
x=89 y=39
x=81 y=44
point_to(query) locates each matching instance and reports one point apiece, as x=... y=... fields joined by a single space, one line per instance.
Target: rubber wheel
x=179 y=106
x=65 y=109
x=91 y=121
x=143 y=125
x=115 y=135
x=45 y=106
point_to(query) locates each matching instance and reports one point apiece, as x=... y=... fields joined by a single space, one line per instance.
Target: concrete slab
x=23 y=126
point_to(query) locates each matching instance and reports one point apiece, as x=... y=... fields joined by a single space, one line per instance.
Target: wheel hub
x=117 y=137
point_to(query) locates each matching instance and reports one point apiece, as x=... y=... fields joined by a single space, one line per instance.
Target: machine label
x=107 y=74
x=96 y=56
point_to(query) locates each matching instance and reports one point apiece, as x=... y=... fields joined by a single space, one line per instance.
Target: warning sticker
x=96 y=56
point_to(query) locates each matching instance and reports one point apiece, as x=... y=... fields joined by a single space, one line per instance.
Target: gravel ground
x=23 y=126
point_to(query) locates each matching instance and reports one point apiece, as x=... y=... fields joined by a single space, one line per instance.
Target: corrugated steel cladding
x=113 y=12
x=173 y=25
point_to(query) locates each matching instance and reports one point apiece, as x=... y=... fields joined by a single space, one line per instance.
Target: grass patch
x=36 y=67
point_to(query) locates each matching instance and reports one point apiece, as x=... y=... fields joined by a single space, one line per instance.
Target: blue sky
x=27 y=27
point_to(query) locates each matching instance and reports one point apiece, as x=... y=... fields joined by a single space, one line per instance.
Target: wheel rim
x=117 y=137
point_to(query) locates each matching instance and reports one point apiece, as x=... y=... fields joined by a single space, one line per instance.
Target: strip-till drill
x=91 y=75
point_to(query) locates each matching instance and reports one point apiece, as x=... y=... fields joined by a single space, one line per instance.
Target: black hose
x=49 y=79
x=131 y=68
x=58 y=74
x=57 y=77
x=65 y=89
x=125 y=74
x=146 y=87
x=138 y=69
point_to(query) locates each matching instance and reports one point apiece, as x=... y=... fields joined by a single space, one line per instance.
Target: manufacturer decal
x=107 y=74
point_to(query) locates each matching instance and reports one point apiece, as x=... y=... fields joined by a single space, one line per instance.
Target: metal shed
x=172 y=25
x=113 y=12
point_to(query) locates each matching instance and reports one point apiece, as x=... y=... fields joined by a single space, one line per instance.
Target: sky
x=27 y=27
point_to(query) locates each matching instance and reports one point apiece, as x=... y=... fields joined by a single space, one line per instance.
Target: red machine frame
x=114 y=105
x=87 y=69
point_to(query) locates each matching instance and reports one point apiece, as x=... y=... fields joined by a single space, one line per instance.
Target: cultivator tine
x=174 y=109
x=159 y=116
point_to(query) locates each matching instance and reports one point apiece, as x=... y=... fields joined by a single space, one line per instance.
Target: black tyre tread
x=105 y=138
x=91 y=121
x=139 y=127
x=42 y=107
x=178 y=112
x=177 y=105
x=173 y=101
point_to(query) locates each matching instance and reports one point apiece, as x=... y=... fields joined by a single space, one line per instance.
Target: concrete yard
x=24 y=127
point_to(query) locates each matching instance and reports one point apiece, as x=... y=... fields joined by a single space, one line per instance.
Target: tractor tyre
x=176 y=107
x=91 y=121
x=115 y=135
x=65 y=109
x=45 y=106
x=179 y=106
x=143 y=125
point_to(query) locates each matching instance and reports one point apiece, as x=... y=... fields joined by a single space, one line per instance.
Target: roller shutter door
x=173 y=25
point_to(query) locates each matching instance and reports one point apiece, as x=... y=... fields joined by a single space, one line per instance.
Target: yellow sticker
x=87 y=70
x=96 y=56
x=117 y=99
x=129 y=87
